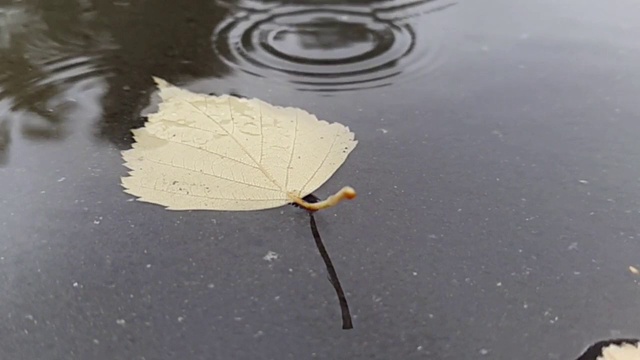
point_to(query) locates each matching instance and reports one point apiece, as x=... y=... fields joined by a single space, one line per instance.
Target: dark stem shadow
x=333 y=276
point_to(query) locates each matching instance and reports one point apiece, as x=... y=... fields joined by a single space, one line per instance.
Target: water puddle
x=499 y=169
x=329 y=47
x=49 y=62
x=51 y=55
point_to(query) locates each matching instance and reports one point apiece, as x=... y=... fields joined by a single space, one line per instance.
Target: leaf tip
x=160 y=82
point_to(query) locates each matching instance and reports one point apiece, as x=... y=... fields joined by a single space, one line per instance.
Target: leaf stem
x=346 y=192
x=333 y=276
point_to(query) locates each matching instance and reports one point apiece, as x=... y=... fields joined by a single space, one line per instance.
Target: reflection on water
x=326 y=47
x=53 y=52
x=45 y=53
x=166 y=39
x=5 y=139
x=487 y=155
x=382 y=9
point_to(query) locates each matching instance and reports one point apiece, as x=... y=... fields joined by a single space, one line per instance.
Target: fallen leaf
x=613 y=349
x=202 y=152
x=623 y=351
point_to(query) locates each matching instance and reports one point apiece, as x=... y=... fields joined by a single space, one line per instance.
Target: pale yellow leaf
x=202 y=152
x=624 y=351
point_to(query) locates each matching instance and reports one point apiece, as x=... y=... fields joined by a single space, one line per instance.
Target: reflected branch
x=5 y=140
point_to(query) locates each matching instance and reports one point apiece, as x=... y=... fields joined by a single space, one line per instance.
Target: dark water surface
x=498 y=168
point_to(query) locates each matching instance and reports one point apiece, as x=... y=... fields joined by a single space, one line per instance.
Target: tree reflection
x=47 y=46
x=21 y=71
x=168 y=39
x=5 y=140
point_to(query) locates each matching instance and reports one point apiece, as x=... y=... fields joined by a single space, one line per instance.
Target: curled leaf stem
x=346 y=192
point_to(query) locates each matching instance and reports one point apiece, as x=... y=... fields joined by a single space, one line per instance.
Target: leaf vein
x=293 y=149
x=212 y=175
x=206 y=197
x=209 y=151
x=259 y=166
x=261 y=133
x=321 y=164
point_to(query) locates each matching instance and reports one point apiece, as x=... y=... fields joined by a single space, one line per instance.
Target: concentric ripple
x=322 y=48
